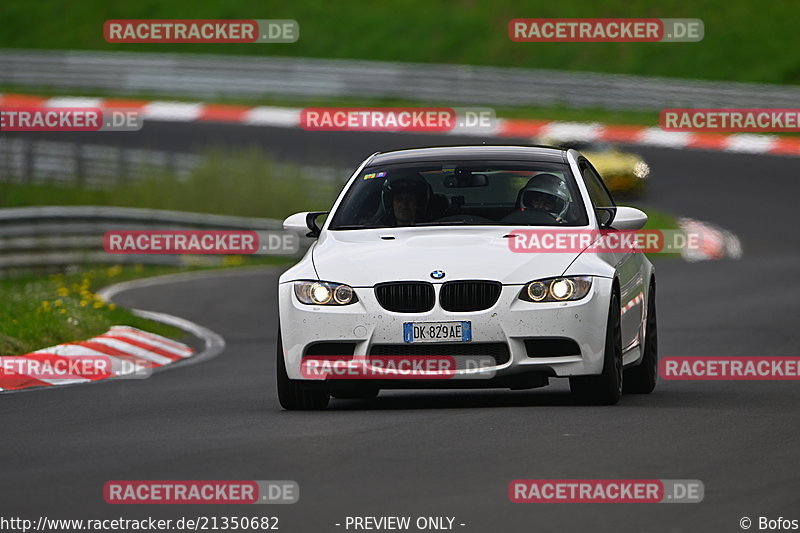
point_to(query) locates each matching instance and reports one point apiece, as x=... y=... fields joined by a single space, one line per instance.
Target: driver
x=545 y=192
x=405 y=200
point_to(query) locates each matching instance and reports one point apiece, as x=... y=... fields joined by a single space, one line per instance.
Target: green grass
x=658 y=219
x=41 y=311
x=744 y=41
x=243 y=183
x=38 y=312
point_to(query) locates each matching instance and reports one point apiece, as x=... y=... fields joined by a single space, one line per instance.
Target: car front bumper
x=511 y=321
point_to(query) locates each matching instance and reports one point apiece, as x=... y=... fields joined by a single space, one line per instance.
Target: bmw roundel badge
x=437 y=274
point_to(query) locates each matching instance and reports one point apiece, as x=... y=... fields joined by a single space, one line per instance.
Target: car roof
x=481 y=151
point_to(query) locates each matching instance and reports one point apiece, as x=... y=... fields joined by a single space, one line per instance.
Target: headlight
x=641 y=170
x=537 y=291
x=556 y=289
x=324 y=293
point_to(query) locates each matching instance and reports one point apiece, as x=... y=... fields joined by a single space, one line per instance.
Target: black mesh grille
x=497 y=350
x=405 y=296
x=331 y=348
x=551 y=347
x=459 y=296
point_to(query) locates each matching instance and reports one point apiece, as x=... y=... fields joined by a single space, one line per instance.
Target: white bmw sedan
x=443 y=268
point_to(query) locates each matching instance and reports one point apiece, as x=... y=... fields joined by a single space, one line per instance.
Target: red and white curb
x=713 y=242
x=289 y=117
x=638 y=299
x=117 y=344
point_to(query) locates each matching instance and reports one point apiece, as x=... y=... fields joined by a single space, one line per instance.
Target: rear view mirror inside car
x=464 y=179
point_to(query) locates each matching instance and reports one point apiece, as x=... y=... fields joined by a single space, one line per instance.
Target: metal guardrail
x=52 y=238
x=29 y=160
x=209 y=76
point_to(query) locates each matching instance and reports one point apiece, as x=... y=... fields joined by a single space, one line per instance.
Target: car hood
x=363 y=258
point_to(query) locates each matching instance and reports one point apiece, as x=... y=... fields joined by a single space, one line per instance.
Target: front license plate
x=437 y=331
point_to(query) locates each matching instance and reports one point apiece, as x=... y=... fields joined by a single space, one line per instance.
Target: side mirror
x=301 y=222
x=629 y=218
x=605 y=216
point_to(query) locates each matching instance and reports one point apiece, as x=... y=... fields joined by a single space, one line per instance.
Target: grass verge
x=743 y=41
x=242 y=183
x=37 y=312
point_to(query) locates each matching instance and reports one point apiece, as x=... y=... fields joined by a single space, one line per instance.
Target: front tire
x=293 y=395
x=605 y=389
x=642 y=378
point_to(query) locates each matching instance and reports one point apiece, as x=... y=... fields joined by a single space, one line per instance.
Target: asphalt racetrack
x=449 y=453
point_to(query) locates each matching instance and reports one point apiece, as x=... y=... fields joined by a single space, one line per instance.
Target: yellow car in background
x=624 y=173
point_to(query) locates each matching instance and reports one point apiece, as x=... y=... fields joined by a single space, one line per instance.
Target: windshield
x=451 y=193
